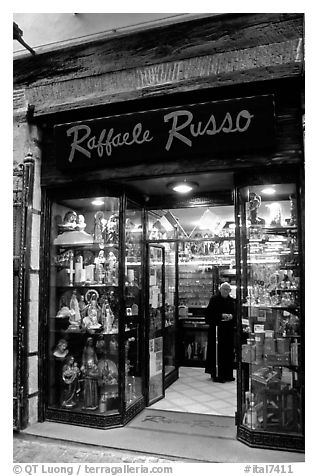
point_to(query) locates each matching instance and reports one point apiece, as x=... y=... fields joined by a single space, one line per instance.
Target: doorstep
x=179 y=442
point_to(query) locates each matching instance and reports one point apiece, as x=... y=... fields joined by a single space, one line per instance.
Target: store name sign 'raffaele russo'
x=222 y=128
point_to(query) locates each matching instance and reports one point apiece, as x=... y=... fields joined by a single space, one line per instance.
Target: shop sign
x=213 y=129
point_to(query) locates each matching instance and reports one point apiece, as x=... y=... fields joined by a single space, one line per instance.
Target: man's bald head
x=225 y=289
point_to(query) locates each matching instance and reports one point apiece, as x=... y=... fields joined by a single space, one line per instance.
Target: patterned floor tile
x=195 y=392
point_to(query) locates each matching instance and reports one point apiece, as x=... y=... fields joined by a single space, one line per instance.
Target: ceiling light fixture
x=98 y=202
x=268 y=191
x=182 y=186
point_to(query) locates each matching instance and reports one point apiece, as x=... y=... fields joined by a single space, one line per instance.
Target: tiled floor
x=195 y=392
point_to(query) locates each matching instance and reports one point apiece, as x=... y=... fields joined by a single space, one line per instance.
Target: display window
x=271 y=309
x=84 y=305
x=95 y=308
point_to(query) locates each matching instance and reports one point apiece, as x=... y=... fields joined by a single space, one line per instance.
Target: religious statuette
x=91 y=320
x=70 y=375
x=107 y=316
x=61 y=350
x=75 y=318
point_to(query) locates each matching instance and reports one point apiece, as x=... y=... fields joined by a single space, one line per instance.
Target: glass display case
x=95 y=326
x=272 y=381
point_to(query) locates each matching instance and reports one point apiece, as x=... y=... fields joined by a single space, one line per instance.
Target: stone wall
x=26 y=143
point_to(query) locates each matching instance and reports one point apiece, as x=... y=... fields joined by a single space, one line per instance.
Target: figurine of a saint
x=72 y=230
x=275 y=214
x=112 y=269
x=113 y=347
x=69 y=221
x=254 y=204
x=293 y=209
x=75 y=317
x=112 y=229
x=101 y=346
x=100 y=259
x=100 y=270
x=108 y=372
x=82 y=306
x=91 y=320
x=81 y=225
x=90 y=374
x=70 y=374
x=61 y=350
x=98 y=228
x=88 y=353
x=107 y=380
x=107 y=316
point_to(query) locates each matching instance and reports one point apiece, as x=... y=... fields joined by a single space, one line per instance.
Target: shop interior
x=202 y=266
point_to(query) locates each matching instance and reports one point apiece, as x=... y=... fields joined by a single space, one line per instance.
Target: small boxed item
x=294 y=353
x=269 y=346
x=183 y=311
x=258 y=328
x=282 y=345
x=259 y=351
x=248 y=353
x=265 y=375
x=278 y=359
x=260 y=337
x=269 y=333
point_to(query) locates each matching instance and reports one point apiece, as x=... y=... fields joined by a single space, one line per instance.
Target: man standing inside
x=220 y=317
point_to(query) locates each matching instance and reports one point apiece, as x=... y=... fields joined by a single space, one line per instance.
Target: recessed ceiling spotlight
x=268 y=191
x=183 y=186
x=98 y=202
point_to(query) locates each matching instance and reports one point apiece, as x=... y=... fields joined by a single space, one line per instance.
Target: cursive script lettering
x=77 y=141
x=183 y=118
x=183 y=125
x=83 y=142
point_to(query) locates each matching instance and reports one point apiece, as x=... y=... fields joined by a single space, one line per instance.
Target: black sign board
x=221 y=128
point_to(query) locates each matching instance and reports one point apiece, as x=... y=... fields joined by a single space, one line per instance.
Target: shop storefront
x=116 y=291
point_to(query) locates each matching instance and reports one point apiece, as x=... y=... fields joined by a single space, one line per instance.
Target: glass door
x=134 y=329
x=170 y=336
x=156 y=322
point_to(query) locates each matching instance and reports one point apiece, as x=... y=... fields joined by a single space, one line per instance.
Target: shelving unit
x=199 y=277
